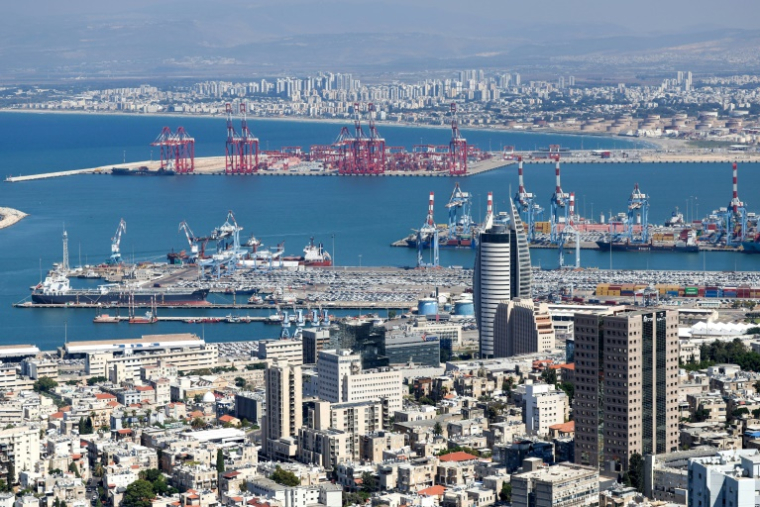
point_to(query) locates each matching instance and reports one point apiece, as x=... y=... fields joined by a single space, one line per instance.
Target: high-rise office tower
x=284 y=410
x=502 y=272
x=626 y=385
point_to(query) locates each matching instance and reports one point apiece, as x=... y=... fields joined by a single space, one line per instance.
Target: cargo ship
x=141 y=171
x=56 y=290
x=313 y=255
x=624 y=246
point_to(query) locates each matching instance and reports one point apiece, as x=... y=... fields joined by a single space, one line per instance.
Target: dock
x=337 y=305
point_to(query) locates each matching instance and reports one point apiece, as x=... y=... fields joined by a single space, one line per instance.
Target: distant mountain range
x=257 y=43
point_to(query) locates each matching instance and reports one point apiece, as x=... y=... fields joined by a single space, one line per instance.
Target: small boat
x=149 y=318
x=104 y=318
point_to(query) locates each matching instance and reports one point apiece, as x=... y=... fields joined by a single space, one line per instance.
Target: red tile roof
x=105 y=396
x=433 y=491
x=458 y=456
x=226 y=418
x=125 y=431
x=143 y=388
x=567 y=427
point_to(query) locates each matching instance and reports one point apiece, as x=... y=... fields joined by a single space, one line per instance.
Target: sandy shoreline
x=9 y=216
x=346 y=121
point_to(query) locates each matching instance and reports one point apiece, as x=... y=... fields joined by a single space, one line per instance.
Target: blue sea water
x=364 y=214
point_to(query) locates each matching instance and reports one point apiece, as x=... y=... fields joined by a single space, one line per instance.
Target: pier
x=332 y=305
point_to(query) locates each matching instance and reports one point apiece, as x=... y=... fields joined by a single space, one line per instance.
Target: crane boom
x=116 y=242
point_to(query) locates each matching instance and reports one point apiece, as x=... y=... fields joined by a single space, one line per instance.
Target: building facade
x=502 y=272
x=341 y=379
x=284 y=410
x=564 y=484
x=626 y=385
x=522 y=327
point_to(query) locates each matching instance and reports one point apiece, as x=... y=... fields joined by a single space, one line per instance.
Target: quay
x=332 y=305
x=215 y=166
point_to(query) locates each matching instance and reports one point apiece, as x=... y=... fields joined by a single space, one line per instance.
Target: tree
x=636 y=471
x=426 y=401
x=549 y=375
x=198 y=423
x=736 y=414
x=505 y=495
x=85 y=426
x=96 y=380
x=4 y=486
x=756 y=413
x=391 y=314
x=198 y=398
x=219 y=461
x=569 y=389
x=138 y=494
x=44 y=385
x=701 y=414
x=369 y=482
x=74 y=469
x=437 y=429
x=240 y=381
x=285 y=477
x=11 y=474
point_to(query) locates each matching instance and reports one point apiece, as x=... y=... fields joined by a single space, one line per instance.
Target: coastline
x=344 y=121
x=9 y=216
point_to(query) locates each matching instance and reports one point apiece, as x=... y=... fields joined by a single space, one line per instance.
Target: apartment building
x=185 y=359
x=287 y=349
x=284 y=410
x=341 y=379
x=545 y=406
x=522 y=327
x=565 y=484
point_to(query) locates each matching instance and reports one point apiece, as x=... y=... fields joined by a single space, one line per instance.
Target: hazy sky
x=148 y=37
x=637 y=16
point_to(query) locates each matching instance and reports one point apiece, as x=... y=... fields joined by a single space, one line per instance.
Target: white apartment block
x=729 y=479
x=23 y=443
x=288 y=349
x=184 y=359
x=545 y=405
x=341 y=379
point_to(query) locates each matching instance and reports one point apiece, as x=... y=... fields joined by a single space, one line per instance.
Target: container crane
x=232 y=146
x=191 y=240
x=638 y=214
x=529 y=209
x=560 y=214
x=460 y=206
x=569 y=231
x=430 y=231
x=457 y=147
x=736 y=215
x=116 y=242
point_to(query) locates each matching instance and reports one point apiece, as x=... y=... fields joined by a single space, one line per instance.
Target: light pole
x=333 y=250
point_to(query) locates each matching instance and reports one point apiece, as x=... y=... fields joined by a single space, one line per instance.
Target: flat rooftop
x=147 y=342
x=559 y=473
x=18 y=350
